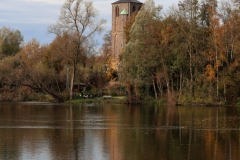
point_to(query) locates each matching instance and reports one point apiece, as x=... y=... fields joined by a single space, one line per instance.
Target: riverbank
x=113 y=100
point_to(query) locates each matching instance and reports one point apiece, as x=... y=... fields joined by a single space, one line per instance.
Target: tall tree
x=105 y=57
x=79 y=19
x=10 y=41
x=188 y=13
x=140 y=59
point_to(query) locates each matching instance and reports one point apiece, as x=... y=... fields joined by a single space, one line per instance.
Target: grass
x=114 y=100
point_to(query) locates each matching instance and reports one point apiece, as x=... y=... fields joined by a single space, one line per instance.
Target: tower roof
x=127 y=1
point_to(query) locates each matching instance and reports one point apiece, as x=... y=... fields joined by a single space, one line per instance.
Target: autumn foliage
x=188 y=54
x=185 y=55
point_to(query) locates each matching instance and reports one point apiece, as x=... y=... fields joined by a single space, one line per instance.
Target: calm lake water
x=31 y=131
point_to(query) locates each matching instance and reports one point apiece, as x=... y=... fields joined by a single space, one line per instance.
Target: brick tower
x=121 y=11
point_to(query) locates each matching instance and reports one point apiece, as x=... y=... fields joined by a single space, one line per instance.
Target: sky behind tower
x=32 y=17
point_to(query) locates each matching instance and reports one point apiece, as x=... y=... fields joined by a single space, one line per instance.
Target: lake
x=45 y=131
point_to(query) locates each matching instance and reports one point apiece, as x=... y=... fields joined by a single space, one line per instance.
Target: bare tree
x=79 y=19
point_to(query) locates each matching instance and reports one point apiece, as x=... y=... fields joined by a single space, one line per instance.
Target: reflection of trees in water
x=207 y=132
x=173 y=132
x=121 y=132
x=190 y=133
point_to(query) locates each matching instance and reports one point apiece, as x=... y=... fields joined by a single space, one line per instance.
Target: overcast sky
x=32 y=17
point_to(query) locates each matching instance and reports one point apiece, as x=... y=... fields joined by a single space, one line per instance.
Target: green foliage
x=139 y=58
x=159 y=102
x=10 y=41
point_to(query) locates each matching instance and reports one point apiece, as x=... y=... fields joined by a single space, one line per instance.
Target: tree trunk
x=71 y=85
x=170 y=96
x=154 y=87
x=191 y=74
x=160 y=88
x=180 y=84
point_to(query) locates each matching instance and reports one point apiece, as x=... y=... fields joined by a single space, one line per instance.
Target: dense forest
x=188 y=53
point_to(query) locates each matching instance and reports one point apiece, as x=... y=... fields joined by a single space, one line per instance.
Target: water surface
x=32 y=131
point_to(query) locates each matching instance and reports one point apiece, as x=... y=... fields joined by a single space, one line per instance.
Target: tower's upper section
x=121 y=11
x=123 y=6
x=127 y=1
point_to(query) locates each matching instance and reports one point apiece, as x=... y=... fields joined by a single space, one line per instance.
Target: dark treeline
x=188 y=54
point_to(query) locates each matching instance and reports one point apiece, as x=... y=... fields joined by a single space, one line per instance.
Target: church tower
x=121 y=11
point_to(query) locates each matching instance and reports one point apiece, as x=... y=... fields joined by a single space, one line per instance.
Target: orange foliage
x=209 y=73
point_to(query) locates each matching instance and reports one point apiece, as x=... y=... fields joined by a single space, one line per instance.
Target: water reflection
x=48 y=131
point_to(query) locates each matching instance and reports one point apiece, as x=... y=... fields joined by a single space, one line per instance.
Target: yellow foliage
x=209 y=73
x=218 y=64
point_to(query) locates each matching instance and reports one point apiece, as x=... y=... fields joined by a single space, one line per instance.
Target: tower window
x=134 y=8
x=117 y=11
